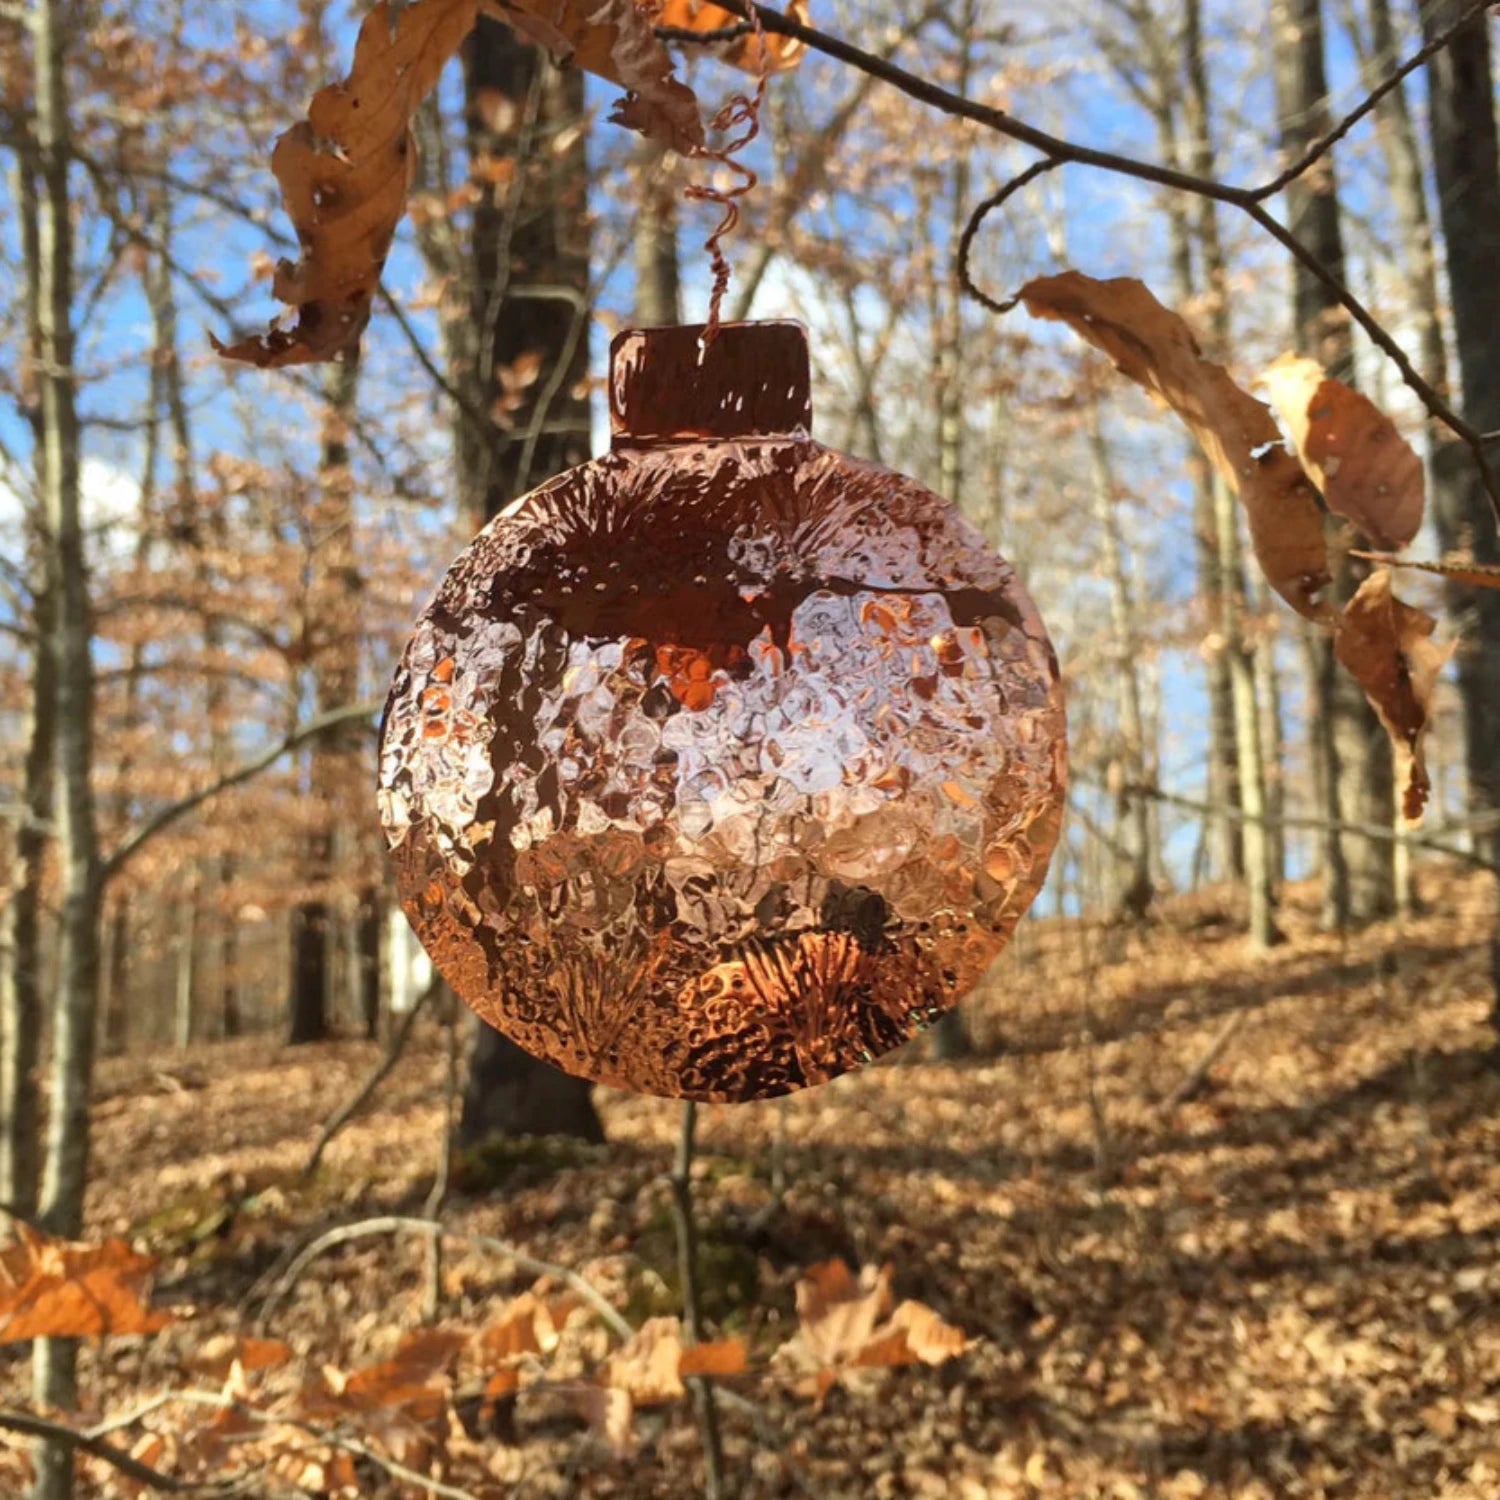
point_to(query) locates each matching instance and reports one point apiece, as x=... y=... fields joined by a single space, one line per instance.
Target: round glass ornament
x=724 y=763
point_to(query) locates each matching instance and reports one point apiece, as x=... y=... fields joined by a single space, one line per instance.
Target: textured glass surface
x=716 y=769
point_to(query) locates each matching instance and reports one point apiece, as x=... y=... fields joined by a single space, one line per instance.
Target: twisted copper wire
x=739 y=110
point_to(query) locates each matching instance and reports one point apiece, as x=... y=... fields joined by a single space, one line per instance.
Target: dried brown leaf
x=839 y=1313
x=779 y=53
x=915 y=1334
x=1387 y=647
x=610 y=1414
x=345 y=172
x=721 y=1358
x=1458 y=569
x=1351 y=450
x=615 y=40
x=52 y=1288
x=218 y=1355
x=647 y=1366
x=1156 y=349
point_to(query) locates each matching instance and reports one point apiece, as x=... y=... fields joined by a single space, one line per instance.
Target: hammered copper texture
x=718 y=768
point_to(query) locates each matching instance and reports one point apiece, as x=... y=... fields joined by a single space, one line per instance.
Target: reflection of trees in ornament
x=722 y=764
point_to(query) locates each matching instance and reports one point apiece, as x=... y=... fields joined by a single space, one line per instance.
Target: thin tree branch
x=31 y=1425
x=1249 y=200
x=378 y=1074
x=131 y=845
x=398 y=1224
x=1383 y=834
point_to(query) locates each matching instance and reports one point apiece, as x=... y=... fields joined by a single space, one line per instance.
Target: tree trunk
x=1467 y=160
x=1134 y=887
x=1230 y=604
x=21 y=920
x=527 y=277
x=333 y=616
x=950 y=1036
x=76 y=987
x=1357 y=774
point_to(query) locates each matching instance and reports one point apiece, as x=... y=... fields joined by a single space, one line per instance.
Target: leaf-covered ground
x=1286 y=1286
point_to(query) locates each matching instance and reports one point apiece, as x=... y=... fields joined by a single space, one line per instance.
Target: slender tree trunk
x=331 y=604
x=950 y=1036
x=527 y=275
x=1231 y=604
x=66 y=1160
x=1135 y=889
x=658 y=294
x=21 y=920
x=1466 y=154
x=1223 y=841
x=1358 y=774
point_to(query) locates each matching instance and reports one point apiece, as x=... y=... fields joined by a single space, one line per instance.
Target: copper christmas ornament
x=724 y=763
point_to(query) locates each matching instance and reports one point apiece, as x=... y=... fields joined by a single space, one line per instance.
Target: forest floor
x=1287 y=1285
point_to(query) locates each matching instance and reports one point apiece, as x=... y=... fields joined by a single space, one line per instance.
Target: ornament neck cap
x=665 y=386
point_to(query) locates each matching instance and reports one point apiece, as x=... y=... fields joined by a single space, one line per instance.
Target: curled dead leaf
x=654 y=1363
x=1387 y=647
x=1156 y=349
x=1367 y=471
x=51 y=1288
x=345 y=172
x=779 y=54
x=615 y=39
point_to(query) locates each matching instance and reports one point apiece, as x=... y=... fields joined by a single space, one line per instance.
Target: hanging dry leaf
x=615 y=40
x=345 y=172
x=52 y=1288
x=744 y=51
x=1351 y=450
x=1458 y=569
x=1387 y=647
x=1156 y=349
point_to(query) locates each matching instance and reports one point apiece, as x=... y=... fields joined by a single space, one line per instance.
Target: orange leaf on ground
x=1351 y=450
x=220 y=1354
x=744 y=51
x=52 y=1288
x=1239 y=436
x=1458 y=569
x=722 y=1358
x=653 y=1365
x=1387 y=647
x=610 y=1414
x=845 y=1325
x=345 y=172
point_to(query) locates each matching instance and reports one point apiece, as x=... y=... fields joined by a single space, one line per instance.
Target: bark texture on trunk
x=1466 y=156
x=519 y=355
x=333 y=618
x=1356 y=772
x=76 y=984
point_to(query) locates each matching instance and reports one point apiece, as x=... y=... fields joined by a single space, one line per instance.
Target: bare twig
x=1197 y=1075
x=378 y=1074
x=1249 y=200
x=702 y=1390
x=403 y=1224
x=433 y=1207
x=1380 y=832
x=320 y=724
x=32 y=1425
